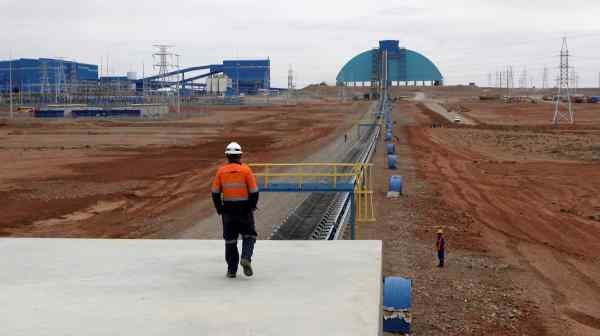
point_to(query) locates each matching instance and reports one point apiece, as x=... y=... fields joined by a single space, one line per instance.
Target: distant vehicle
x=25 y=109
x=457 y=119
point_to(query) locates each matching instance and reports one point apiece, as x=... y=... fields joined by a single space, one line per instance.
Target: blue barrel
x=392 y=161
x=397 y=304
x=395 y=183
x=388 y=136
x=391 y=148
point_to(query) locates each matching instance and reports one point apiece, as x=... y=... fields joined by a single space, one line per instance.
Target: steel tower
x=563 y=89
x=164 y=61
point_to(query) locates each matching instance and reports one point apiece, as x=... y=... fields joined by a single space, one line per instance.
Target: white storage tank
x=217 y=84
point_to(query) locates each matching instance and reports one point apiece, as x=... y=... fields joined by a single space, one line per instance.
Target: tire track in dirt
x=559 y=297
x=449 y=174
x=583 y=318
x=484 y=196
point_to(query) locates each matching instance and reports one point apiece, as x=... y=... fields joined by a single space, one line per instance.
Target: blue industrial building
x=399 y=65
x=247 y=76
x=45 y=75
x=39 y=75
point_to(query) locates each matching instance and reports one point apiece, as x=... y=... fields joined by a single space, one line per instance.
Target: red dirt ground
x=498 y=113
x=526 y=195
x=126 y=179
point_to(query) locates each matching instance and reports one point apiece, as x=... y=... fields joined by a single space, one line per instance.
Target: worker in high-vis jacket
x=440 y=247
x=235 y=195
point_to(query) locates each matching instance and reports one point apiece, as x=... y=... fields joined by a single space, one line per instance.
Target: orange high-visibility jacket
x=235 y=181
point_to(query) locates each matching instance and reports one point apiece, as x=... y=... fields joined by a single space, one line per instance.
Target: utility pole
x=10 y=85
x=237 y=79
x=56 y=86
x=177 y=86
x=143 y=83
x=45 y=85
x=501 y=80
x=498 y=80
x=509 y=80
x=267 y=85
x=545 y=78
x=523 y=80
x=290 y=83
x=563 y=88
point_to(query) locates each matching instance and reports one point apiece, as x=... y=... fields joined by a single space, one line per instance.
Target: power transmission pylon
x=45 y=82
x=178 y=88
x=10 y=86
x=509 y=81
x=291 y=85
x=574 y=80
x=164 y=63
x=545 y=78
x=523 y=80
x=563 y=88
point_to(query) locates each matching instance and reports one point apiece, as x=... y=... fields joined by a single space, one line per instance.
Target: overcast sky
x=466 y=39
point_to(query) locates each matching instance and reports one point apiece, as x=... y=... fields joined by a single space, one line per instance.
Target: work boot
x=231 y=274
x=247 y=266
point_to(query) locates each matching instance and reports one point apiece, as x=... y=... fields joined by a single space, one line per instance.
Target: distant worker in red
x=235 y=195
x=440 y=247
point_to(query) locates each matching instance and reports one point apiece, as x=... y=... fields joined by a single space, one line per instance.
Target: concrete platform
x=178 y=287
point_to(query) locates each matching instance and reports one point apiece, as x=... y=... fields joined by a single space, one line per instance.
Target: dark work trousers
x=235 y=224
x=441 y=254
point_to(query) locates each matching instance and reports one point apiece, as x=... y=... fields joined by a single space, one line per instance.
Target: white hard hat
x=233 y=148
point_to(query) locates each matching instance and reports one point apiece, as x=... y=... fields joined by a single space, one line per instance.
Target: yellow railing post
x=334 y=177
x=267 y=176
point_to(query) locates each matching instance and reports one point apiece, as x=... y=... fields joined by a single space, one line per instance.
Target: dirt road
x=436 y=106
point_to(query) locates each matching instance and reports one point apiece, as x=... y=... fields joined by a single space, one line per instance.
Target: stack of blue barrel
x=392 y=159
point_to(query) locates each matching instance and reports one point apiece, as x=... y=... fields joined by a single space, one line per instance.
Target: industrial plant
x=56 y=81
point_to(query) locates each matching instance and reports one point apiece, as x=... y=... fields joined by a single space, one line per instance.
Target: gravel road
x=436 y=107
